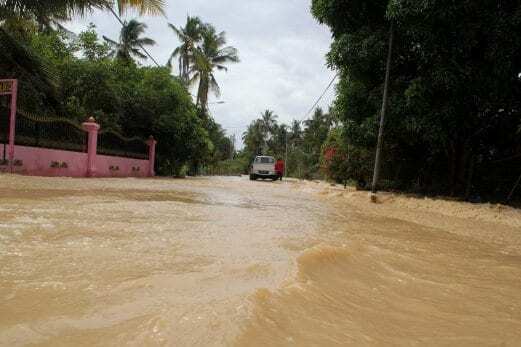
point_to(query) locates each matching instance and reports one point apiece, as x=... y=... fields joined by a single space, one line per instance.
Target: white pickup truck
x=263 y=167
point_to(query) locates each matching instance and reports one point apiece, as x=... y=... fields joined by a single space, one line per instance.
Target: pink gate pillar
x=151 y=142
x=92 y=128
x=12 y=122
x=10 y=87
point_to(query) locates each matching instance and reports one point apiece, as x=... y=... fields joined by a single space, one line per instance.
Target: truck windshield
x=265 y=160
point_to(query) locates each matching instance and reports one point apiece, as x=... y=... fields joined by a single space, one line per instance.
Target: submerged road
x=229 y=262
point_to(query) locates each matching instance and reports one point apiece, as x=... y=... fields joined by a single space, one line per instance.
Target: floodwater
x=229 y=262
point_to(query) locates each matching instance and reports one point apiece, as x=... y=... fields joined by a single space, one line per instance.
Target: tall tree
x=254 y=138
x=189 y=35
x=454 y=90
x=277 y=142
x=269 y=121
x=130 y=41
x=18 y=58
x=296 y=132
x=316 y=131
x=142 y=6
x=211 y=56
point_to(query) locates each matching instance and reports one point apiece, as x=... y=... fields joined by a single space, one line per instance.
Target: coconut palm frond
x=177 y=31
x=137 y=53
x=153 y=7
x=145 y=41
x=57 y=8
x=25 y=64
x=221 y=68
x=130 y=41
x=214 y=86
x=189 y=36
x=174 y=54
x=194 y=79
x=220 y=39
x=110 y=41
x=210 y=56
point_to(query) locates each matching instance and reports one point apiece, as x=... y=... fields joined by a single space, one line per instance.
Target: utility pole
x=286 y=158
x=234 y=142
x=376 y=172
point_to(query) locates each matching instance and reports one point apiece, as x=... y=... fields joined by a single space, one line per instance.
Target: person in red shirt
x=279 y=168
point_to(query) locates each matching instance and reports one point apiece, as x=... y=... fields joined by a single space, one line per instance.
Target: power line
x=140 y=45
x=321 y=96
x=157 y=64
x=308 y=113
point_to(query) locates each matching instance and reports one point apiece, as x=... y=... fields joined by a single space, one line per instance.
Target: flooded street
x=229 y=262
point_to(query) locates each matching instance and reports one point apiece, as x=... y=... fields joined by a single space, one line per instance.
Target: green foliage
x=229 y=167
x=265 y=136
x=37 y=87
x=130 y=42
x=89 y=43
x=53 y=11
x=212 y=54
x=223 y=147
x=189 y=36
x=137 y=101
x=455 y=91
x=75 y=77
x=201 y=53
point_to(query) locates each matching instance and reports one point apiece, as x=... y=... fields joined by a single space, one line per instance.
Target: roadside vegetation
x=75 y=76
x=302 y=142
x=453 y=124
x=454 y=113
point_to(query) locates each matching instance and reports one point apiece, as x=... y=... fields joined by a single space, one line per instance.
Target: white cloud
x=282 y=50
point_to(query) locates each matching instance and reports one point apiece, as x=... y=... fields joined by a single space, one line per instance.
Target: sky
x=281 y=46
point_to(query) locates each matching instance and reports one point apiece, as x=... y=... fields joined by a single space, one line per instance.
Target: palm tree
x=64 y=9
x=296 y=132
x=142 y=6
x=269 y=121
x=53 y=11
x=277 y=143
x=209 y=57
x=189 y=36
x=130 y=42
x=23 y=61
x=253 y=137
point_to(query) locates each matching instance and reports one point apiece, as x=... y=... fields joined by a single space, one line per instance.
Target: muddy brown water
x=229 y=262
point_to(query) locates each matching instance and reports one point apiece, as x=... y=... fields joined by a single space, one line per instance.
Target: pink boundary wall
x=108 y=166
x=36 y=161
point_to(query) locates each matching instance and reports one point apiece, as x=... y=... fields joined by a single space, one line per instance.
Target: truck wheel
x=252 y=177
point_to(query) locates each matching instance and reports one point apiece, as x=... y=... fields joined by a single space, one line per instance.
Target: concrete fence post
x=92 y=128
x=151 y=142
x=12 y=119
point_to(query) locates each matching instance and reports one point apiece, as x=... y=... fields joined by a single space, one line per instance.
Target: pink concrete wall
x=108 y=166
x=40 y=161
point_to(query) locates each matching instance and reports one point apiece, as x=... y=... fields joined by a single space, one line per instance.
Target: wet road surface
x=225 y=261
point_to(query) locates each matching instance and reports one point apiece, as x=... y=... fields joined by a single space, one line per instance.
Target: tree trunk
x=376 y=173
